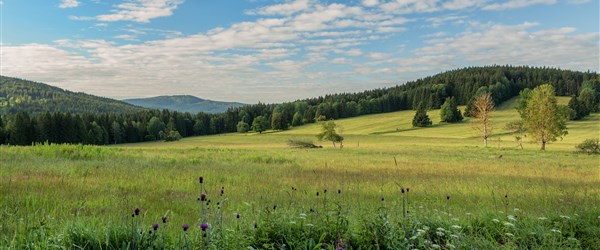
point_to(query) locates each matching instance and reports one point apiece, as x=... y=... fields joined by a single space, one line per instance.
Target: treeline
x=17 y=95
x=503 y=82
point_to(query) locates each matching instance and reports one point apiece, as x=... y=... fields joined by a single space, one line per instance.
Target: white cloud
x=517 y=45
x=141 y=11
x=440 y=20
x=282 y=9
x=126 y=37
x=370 y=3
x=514 y=4
x=378 y=56
x=578 y=1
x=68 y=4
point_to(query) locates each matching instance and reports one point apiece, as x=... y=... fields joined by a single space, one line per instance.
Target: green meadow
x=461 y=195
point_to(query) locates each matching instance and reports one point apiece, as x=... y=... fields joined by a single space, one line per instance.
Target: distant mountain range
x=33 y=97
x=184 y=103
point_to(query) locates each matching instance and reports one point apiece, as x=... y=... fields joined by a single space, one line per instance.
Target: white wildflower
x=509 y=235
x=439 y=233
x=565 y=217
x=508 y=224
x=441 y=229
x=425 y=228
x=512 y=218
x=420 y=231
x=516 y=209
x=302 y=215
x=435 y=246
x=555 y=231
x=310 y=225
x=454 y=236
x=450 y=246
x=496 y=220
x=456 y=227
x=427 y=242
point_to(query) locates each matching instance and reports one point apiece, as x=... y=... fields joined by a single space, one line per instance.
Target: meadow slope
x=50 y=190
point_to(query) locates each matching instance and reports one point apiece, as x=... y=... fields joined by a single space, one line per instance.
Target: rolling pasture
x=457 y=194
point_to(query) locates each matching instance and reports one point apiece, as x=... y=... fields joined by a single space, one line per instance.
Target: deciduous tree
x=484 y=107
x=544 y=120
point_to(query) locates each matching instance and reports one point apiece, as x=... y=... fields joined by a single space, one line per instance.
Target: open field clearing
x=55 y=196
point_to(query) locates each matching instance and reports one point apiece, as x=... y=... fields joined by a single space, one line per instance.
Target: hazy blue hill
x=184 y=103
x=34 y=97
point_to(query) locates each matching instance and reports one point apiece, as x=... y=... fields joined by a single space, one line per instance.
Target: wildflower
x=201 y=179
x=508 y=224
x=339 y=191
x=203 y=197
x=317 y=193
x=496 y=220
x=222 y=190
x=435 y=246
x=450 y=246
x=420 y=231
x=155 y=226
x=274 y=206
x=454 y=236
x=325 y=191
x=516 y=209
x=310 y=225
x=509 y=235
x=407 y=190
x=440 y=233
x=185 y=227
x=302 y=215
x=511 y=217
x=555 y=231
x=456 y=227
x=137 y=211
x=402 y=189
x=447 y=197
x=565 y=217
x=204 y=226
x=440 y=229
x=237 y=216
x=164 y=219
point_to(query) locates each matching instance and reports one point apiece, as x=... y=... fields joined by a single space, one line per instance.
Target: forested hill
x=125 y=125
x=184 y=103
x=17 y=95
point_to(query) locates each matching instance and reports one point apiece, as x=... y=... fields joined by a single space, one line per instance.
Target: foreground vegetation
x=457 y=194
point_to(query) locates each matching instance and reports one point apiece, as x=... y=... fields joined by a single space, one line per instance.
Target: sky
x=283 y=50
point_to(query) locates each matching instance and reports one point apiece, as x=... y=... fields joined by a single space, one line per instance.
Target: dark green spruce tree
x=421 y=118
x=449 y=111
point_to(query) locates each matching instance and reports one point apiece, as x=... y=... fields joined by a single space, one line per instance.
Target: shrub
x=173 y=135
x=590 y=146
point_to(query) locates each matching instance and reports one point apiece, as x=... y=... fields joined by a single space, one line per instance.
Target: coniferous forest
x=37 y=113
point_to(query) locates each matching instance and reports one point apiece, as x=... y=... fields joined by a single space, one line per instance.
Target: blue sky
x=282 y=50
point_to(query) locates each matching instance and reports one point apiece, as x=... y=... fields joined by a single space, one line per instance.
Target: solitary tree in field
x=328 y=132
x=421 y=119
x=543 y=118
x=484 y=107
x=260 y=124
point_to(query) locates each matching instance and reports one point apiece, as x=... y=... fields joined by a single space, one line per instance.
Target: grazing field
x=460 y=194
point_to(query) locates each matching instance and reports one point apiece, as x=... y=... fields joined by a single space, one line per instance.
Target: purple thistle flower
x=325 y=191
x=185 y=227
x=204 y=226
x=402 y=189
x=137 y=211
x=339 y=191
x=407 y=190
x=317 y=193
x=203 y=197
x=155 y=226
x=201 y=179
x=237 y=216
x=447 y=197
x=274 y=206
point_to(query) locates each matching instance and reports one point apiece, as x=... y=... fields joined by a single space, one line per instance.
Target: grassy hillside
x=184 y=103
x=83 y=196
x=34 y=97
